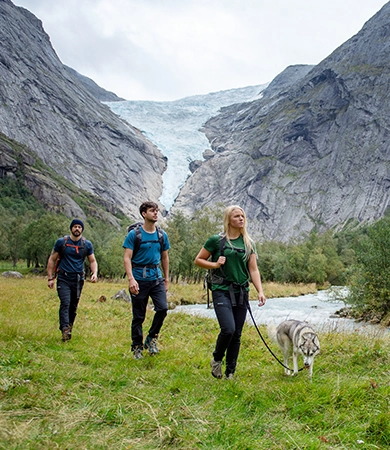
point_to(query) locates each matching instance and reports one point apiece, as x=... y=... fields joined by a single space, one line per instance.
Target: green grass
x=90 y=393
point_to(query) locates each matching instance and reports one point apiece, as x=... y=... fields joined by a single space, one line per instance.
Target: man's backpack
x=138 y=237
x=78 y=248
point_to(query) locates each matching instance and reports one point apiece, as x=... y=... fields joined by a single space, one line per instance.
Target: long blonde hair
x=248 y=242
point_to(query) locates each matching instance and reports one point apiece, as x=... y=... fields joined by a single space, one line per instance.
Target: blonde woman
x=234 y=263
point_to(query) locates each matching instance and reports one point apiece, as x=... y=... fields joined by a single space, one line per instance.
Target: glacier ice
x=174 y=128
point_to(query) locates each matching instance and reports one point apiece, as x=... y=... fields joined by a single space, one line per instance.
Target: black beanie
x=76 y=222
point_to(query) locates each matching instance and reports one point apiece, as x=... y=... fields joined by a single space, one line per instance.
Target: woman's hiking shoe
x=151 y=345
x=66 y=334
x=216 y=368
x=137 y=352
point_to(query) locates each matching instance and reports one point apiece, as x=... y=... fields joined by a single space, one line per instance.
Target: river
x=318 y=309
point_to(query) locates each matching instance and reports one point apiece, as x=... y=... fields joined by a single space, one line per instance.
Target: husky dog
x=296 y=337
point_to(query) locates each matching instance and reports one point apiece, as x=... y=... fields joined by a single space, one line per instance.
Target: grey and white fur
x=295 y=337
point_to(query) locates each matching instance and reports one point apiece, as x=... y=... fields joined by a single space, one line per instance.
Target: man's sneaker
x=229 y=376
x=137 y=352
x=151 y=345
x=66 y=334
x=216 y=368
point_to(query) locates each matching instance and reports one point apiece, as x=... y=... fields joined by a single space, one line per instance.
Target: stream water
x=318 y=309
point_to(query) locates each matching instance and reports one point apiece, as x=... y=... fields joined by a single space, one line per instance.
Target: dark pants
x=231 y=320
x=156 y=291
x=69 y=290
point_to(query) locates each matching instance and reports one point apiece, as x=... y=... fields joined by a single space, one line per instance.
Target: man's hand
x=133 y=286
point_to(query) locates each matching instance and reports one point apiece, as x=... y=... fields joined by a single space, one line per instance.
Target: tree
x=370 y=280
x=39 y=238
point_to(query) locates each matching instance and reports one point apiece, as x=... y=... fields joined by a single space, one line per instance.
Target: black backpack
x=138 y=236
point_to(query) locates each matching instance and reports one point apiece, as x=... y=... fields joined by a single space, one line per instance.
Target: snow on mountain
x=174 y=128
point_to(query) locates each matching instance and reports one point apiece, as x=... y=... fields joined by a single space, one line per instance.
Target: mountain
x=174 y=128
x=98 y=92
x=310 y=152
x=47 y=109
x=313 y=156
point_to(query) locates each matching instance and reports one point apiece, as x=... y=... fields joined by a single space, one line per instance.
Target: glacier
x=173 y=126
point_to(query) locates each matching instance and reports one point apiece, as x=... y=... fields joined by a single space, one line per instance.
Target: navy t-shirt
x=72 y=259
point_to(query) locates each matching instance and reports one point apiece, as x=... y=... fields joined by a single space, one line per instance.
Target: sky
x=163 y=50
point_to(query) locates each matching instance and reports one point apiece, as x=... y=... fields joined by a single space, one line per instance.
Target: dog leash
x=265 y=343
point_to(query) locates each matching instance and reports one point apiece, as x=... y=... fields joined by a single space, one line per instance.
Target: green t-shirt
x=235 y=267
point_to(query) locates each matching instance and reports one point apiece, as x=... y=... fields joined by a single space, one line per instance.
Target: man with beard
x=66 y=261
x=144 y=251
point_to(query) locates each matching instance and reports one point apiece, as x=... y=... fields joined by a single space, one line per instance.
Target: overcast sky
x=170 y=49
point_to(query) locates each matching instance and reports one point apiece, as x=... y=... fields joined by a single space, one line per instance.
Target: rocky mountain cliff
x=313 y=156
x=46 y=108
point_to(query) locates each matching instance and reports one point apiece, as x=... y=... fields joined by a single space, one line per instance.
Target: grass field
x=89 y=393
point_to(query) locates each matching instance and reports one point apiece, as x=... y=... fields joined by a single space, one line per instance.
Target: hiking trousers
x=69 y=290
x=231 y=320
x=156 y=291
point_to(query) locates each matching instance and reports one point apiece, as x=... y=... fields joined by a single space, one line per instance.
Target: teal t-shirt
x=236 y=265
x=149 y=254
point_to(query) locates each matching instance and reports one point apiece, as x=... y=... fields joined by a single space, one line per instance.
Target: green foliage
x=314 y=260
x=108 y=247
x=370 y=278
x=16 y=198
x=187 y=236
x=39 y=237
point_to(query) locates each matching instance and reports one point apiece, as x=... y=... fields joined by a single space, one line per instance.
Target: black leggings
x=231 y=320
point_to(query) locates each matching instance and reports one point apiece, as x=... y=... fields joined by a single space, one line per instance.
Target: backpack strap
x=138 y=239
x=232 y=285
x=82 y=246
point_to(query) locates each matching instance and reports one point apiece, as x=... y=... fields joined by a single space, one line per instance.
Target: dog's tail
x=271 y=328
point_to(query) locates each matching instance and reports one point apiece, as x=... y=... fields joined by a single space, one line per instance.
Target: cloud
x=168 y=49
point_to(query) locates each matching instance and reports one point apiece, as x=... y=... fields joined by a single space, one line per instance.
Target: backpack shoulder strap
x=222 y=242
x=66 y=238
x=83 y=246
x=138 y=238
x=160 y=234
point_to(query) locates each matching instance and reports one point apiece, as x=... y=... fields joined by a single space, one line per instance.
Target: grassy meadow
x=89 y=393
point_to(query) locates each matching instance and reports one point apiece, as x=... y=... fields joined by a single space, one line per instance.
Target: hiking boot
x=66 y=334
x=216 y=368
x=151 y=345
x=137 y=352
